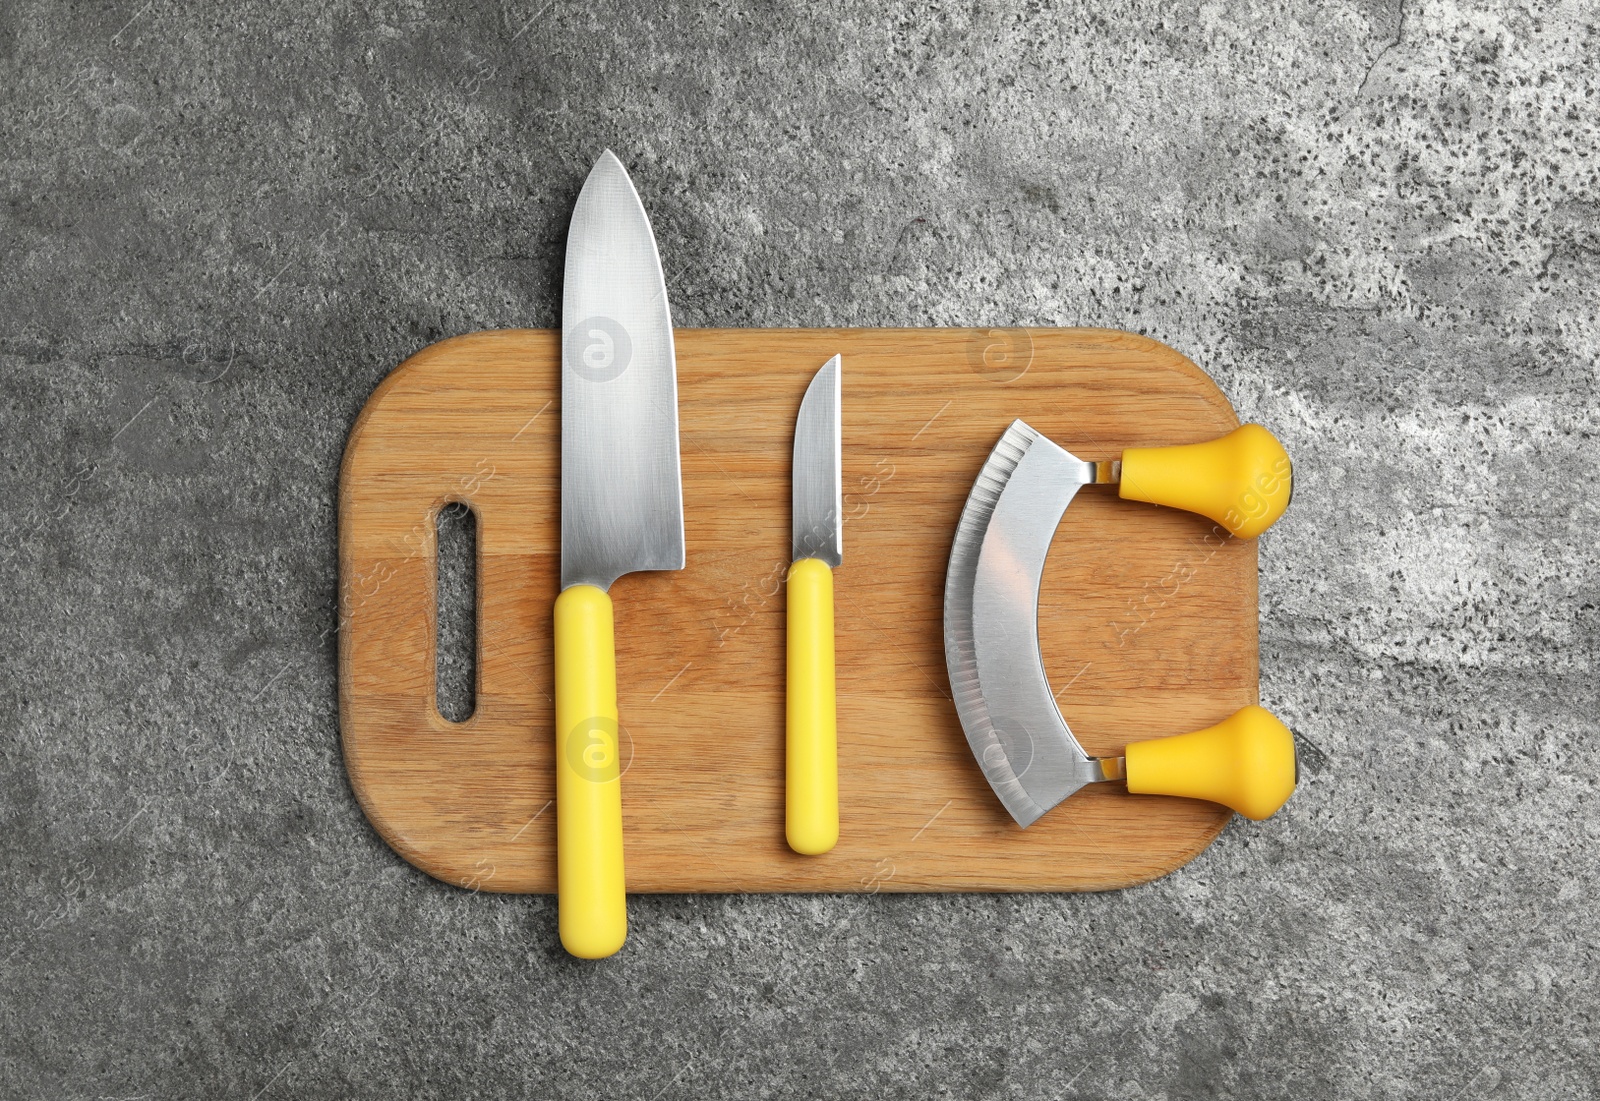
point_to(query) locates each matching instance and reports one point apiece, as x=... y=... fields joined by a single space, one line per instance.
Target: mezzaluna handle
x=1243 y=480
x=1246 y=762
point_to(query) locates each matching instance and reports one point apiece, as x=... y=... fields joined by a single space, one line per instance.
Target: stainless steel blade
x=991 y=624
x=621 y=488
x=818 y=520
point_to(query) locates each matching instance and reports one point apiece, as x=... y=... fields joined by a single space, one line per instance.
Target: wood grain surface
x=1148 y=617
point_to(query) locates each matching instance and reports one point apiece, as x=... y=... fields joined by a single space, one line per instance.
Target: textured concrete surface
x=1378 y=226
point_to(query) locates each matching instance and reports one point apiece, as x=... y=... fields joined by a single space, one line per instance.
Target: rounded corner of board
x=1177 y=860
x=1177 y=362
x=418 y=369
x=1159 y=356
x=396 y=841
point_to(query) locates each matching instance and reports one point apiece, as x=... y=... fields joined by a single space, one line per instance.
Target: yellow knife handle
x=811 y=819
x=1246 y=762
x=1242 y=480
x=591 y=895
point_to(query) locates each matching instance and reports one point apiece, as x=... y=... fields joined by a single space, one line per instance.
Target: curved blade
x=991 y=620
x=621 y=490
x=818 y=520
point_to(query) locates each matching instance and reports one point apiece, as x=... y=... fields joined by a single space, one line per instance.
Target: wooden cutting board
x=1148 y=615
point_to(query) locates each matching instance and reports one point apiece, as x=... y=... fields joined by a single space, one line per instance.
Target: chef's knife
x=621 y=511
x=811 y=819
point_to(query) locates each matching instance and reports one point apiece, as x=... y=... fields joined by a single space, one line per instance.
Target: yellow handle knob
x=1242 y=480
x=591 y=895
x=811 y=773
x=1246 y=762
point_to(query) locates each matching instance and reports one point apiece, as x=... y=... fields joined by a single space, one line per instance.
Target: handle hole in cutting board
x=456 y=643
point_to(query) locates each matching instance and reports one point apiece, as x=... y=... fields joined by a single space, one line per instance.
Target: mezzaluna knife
x=1029 y=755
x=621 y=511
x=811 y=754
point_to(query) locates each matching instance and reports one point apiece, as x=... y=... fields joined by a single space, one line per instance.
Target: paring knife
x=811 y=819
x=621 y=511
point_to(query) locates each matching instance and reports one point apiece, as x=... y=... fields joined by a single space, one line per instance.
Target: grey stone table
x=1377 y=227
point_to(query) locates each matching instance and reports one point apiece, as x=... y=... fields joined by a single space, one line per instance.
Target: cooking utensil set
x=622 y=511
